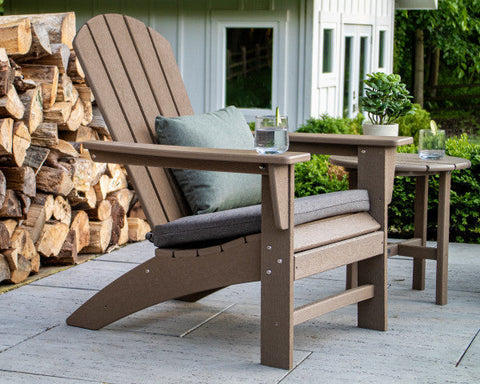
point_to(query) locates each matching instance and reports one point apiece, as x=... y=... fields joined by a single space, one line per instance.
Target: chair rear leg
x=372 y=313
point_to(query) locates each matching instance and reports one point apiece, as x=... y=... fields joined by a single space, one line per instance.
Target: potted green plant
x=386 y=99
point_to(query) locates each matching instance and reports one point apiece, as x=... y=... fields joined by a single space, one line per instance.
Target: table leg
x=421 y=207
x=442 y=237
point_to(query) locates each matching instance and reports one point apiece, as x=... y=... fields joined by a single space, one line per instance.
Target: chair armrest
x=376 y=162
x=344 y=145
x=170 y=156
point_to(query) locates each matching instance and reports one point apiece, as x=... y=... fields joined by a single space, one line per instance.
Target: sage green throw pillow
x=208 y=191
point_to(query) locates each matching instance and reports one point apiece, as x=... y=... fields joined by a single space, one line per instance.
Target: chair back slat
x=120 y=60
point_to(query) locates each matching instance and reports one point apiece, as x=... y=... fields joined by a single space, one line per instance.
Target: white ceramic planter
x=380 y=130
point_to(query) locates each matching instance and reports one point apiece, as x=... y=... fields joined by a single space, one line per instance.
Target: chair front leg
x=277 y=275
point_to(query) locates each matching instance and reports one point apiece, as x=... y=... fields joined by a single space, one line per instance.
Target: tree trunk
x=418 y=78
x=434 y=71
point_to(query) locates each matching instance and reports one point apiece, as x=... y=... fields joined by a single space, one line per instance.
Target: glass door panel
x=357 y=40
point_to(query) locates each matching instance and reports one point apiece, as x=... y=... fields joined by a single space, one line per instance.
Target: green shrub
x=464 y=198
x=318 y=176
x=409 y=125
x=329 y=124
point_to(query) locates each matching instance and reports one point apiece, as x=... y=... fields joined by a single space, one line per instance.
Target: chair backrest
x=134 y=76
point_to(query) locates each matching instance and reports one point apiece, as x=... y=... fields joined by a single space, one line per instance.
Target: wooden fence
x=446 y=92
x=246 y=61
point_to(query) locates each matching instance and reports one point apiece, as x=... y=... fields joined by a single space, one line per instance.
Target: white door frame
x=356 y=33
x=220 y=21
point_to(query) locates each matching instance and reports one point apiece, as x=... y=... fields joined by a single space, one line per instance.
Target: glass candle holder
x=271 y=134
x=431 y=144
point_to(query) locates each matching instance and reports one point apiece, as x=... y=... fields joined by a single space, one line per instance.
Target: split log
x=87 y=112
x=59 y=57
x=25 y=201
x=35 y=157
x=137 y=211
x=40 y=44
x=101 y=188
x=83 y=199
x=137 y=229
x=100 y=233
x=10 y=224
x=47 y=202
x=4 y=269
x=101 y=212
x=11 y=206
x=11 y=105
x=52 y=238
x=84 y=92
x=21 y=274
x=81 y=226
x=118 y=221
x=64 y=149
x=68 y=254
x=58 y=113
x=119 y=178
x=15 y=35
x=123 y=237
x=23 y=85
x=11 y=255
x=75 y=118
x=123 y=197
x=98 y=123
x=3 y=188
x=20 y=179
x=35 y=221
x=6 y=136
x=62 y=210
x=46 y=135
x=83 y=133
x=52 y=180
x=60 y=26
x=65 y=88
x=47 y=76
x=75 y=70
x=33 y=115
x=23 y=243
x=83 y=173
x=7 y=74
x=21 y=142
x=5 y=236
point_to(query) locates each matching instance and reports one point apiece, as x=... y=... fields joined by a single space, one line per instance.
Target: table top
x=411 y=163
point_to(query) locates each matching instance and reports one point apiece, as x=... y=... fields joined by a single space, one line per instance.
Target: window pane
x=347 y=76
x=381 y=50
x=249 y=67
x=327 y=50
x=363 y=64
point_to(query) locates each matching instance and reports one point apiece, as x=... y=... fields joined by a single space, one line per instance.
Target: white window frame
x=386 y=61
x=220 y=21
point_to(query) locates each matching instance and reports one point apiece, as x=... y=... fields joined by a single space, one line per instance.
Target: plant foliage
x=319 y=176
x=386 y=98
x=411 y=124
x=464 y=198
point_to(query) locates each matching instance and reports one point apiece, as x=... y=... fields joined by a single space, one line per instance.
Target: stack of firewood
x=55 y=202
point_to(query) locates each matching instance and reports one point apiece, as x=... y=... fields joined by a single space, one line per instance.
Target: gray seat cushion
x=218 y=227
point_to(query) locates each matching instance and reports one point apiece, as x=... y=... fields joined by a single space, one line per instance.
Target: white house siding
x=189 y=27
x=327 y=88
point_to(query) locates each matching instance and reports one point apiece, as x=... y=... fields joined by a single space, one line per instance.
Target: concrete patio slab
x=216 y=340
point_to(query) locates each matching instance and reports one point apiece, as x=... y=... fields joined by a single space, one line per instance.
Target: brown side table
x=409 y=164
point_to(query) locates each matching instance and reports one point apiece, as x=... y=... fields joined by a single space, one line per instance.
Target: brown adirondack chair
x=134 y=76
